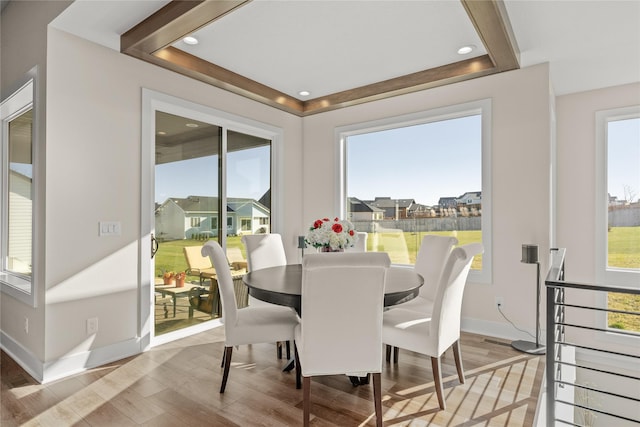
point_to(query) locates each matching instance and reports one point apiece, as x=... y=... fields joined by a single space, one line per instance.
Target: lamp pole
x=530 y=256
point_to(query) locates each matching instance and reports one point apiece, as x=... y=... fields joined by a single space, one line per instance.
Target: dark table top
x=282 y=285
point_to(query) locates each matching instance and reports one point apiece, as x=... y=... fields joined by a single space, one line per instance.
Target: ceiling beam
x=490 y=19
x=152 y=38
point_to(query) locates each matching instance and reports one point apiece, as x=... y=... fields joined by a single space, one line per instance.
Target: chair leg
x=395 y=354
x=279 y=349
x=377 y=398
x=227 y=363
x=306 y=396
x=388 y=348
x=298 y=368
x=437 y=378
x=458 y=360
x=288 y=344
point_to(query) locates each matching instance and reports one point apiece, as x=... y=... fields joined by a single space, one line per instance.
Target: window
x=245 y=224
x=424 y=173
x=618 y=210
x=264 y=220
x=16 y=266
x=195 y=222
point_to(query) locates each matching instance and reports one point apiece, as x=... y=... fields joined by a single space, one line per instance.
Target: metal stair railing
x=558 y=346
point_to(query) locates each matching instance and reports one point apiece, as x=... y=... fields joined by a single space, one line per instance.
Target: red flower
x=325 y=219
x=336 y=219
x=337 y=228
x=317 y=224
x=351 y=233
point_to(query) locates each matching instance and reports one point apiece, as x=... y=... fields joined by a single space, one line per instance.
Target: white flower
x=336 y=234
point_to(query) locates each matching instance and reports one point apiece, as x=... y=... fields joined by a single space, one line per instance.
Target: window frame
x=482 y=107
x=153 y=101
x=19 y=101
x=605 y=275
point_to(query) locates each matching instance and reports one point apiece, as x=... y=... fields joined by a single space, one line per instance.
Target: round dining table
x=282 y=285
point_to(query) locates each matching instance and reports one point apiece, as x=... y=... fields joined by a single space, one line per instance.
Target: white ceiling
x=329 y=46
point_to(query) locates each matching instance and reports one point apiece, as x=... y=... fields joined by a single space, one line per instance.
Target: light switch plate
x=109 y=228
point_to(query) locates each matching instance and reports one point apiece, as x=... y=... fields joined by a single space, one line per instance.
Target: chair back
x=330 y=259
x=445 y=323
x=430 y=262
x=195 y=260
x=214 y=252
x=264 y=251
x=361 y=243
x=342 y=303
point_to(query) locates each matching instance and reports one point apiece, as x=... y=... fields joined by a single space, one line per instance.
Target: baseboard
x=22 y=356
x=496 y=330
x=65 y=366
x=93 y=358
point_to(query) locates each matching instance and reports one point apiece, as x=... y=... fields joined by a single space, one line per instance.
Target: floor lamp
x=530 y=256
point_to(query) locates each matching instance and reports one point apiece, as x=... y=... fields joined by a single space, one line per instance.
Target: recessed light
x=161 y=132
x=192 y=125
x=190 y=40
x=466 y=49
x=304 y=93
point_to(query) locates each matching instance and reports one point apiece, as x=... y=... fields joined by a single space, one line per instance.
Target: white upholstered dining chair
x=342 y=301
x=432 y=256
x=264 y=251
x=249 y=325
x=361 y=243
x=433 y=333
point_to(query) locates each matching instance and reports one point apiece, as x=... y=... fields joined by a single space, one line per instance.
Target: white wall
x=93 y=174
x=576 y=115
x=22 y=47
x=521 y=110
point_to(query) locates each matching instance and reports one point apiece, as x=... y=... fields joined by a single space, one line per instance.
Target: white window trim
x=482 y=107
x=22 y=99
x=608 y=276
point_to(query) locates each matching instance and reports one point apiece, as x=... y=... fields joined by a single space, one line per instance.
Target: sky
x=440 y=159
x=624 y=158
x=248 y=176
x=423 y=162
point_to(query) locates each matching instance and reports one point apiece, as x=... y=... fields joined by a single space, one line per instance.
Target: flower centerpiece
x=331 y=236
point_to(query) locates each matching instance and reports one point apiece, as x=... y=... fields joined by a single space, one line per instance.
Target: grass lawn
x=624 y=252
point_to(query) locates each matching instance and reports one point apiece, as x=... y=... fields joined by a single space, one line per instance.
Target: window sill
x=17 y=287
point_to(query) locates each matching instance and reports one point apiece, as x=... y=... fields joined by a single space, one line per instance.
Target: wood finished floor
x=177 y=384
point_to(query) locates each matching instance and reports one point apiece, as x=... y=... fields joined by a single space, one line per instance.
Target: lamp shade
x=529 y=254
x=301 y=243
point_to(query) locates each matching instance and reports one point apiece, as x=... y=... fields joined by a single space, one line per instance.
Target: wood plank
x=177 y=384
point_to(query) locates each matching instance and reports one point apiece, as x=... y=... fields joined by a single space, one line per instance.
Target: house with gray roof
x=186 y=218
x=393 y=208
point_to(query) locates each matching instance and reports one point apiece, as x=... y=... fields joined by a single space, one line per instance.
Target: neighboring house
x=421 y=211
x=179 y=218
x=20 y=206
x=470 y=199
x=448 y=202
x=393 y=208
x=361 y=211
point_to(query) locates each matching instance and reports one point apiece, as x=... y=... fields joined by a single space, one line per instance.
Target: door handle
x=154 y=246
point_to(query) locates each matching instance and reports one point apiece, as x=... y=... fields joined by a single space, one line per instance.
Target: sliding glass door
x=211 y=181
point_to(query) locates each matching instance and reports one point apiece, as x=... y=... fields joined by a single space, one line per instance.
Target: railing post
x=551 y=352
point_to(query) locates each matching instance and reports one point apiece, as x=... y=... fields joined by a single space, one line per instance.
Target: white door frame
x=153 y=101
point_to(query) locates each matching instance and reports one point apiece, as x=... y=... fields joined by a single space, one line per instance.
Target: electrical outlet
x=92 y=325
x=26 y=325
x=499 y=302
